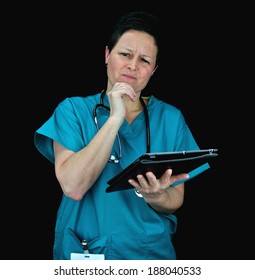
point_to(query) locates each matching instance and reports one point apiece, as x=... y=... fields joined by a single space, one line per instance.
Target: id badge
x=87 y=257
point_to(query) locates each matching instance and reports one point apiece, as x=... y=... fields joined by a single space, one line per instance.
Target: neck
x=132 y=106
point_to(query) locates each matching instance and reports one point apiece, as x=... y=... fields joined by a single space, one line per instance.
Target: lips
x=128 y=76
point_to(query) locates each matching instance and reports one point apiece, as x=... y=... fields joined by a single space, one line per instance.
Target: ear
x=106 y=55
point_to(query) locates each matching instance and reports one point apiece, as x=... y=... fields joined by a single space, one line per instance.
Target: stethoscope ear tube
x=148 y=136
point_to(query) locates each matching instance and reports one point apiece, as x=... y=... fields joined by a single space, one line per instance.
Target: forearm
x=76 y=172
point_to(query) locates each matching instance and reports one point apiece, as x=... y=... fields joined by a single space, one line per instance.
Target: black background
x=56 y=52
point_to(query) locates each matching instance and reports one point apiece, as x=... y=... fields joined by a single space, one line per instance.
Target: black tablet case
x=179 y=162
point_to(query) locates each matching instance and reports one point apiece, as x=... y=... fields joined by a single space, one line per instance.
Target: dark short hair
x=138 y=20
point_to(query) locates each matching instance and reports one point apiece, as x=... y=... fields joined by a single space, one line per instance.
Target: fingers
x=150 y=185
x=121 y=89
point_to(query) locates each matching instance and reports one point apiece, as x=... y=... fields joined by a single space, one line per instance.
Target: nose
x=132 y=64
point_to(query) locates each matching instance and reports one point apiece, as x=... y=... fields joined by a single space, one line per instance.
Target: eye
x=125 y=54
x=145 y=60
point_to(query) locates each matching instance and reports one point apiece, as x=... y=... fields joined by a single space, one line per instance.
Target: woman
x=89 y=144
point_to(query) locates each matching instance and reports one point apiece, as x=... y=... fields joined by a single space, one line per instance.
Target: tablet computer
x=179 y=162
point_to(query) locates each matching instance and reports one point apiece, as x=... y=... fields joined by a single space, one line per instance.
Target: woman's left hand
x=149 y=185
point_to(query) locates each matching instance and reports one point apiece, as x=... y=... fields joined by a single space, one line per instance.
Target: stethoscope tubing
x=146 y=115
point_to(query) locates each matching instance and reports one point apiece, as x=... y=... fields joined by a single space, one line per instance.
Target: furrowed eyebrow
x=145 y=56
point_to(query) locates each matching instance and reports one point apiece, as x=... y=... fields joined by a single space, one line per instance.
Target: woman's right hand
x=117 y=95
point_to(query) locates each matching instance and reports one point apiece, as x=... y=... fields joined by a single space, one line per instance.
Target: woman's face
x=132 y=60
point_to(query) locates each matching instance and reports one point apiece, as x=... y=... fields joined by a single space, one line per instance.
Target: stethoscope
x=116 y=159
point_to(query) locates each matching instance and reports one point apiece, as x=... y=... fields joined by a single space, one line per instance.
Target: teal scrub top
x=120 y=224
